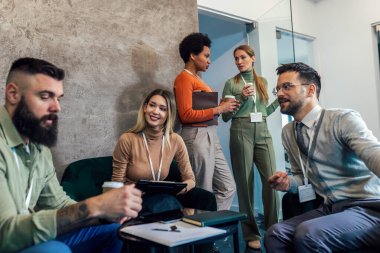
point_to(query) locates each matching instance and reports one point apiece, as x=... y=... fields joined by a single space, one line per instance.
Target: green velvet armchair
x=84 y=178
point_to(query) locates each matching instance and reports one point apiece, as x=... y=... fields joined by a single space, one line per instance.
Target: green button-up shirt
x=23 y=169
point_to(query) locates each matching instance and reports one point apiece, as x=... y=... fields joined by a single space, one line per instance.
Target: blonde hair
x=261 y=88
x=171 y=109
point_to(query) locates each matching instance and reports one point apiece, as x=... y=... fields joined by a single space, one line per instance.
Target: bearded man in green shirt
x=28 y=127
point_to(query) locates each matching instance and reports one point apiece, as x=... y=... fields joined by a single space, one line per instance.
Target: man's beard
x=30 y=126
x=292 y=108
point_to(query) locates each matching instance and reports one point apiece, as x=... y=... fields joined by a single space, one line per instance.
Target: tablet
x=155 y=187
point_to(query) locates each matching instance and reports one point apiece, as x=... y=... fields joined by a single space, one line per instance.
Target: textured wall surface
x=114 y=52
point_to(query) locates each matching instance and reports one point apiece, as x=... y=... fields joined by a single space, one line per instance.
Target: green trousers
x=251 y=143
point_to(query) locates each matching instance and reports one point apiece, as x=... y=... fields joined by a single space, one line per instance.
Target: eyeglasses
x=286 y=87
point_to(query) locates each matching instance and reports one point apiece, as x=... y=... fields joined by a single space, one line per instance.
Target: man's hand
x=117 y=205
x=279 y=181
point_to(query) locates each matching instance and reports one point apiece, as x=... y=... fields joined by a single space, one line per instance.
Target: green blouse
x=246 y=105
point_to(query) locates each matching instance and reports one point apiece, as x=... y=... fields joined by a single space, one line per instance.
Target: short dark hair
x=35 y=66
x=193 y=44
x=305 y=72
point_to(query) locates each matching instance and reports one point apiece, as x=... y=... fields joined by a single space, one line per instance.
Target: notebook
x=214 y=218
x=166 y=235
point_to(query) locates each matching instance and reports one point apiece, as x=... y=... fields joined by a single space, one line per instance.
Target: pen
x=167 y=230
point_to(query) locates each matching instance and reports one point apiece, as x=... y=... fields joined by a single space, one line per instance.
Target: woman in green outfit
x=251 y=142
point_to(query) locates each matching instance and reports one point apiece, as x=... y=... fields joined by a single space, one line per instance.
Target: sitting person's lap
x=353 y=227
x=102 y=238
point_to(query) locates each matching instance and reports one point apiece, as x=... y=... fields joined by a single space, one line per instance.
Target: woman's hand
x=227 y=105
x=248 y=90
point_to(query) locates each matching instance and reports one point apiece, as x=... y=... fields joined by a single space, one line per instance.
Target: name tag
x=256 y=117
x=306 y=193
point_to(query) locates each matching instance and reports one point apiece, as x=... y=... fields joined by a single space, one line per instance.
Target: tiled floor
x=226 y=246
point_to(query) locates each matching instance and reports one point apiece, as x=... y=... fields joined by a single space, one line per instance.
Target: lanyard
x=150 y=159
x=305 y=171
x=253 y=96
x=29 y=194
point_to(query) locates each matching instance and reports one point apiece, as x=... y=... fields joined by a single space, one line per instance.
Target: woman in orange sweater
x=206 y=156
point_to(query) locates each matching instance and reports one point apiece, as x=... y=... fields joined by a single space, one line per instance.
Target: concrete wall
x=346 y=53
x=114 y=52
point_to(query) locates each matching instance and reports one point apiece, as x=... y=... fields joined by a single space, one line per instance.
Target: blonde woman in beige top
x=147 y=150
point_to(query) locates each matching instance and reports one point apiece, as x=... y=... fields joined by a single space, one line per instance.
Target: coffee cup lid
x=110 y=184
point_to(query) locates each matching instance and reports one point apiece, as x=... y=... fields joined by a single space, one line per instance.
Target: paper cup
x=108 y=185
x=228 y=97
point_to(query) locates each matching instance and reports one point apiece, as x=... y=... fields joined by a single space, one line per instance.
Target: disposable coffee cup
x=109 y=185
x=228 y=97
x=253 y=96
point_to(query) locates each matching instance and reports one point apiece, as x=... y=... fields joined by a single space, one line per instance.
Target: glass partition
x=226 y=33
x=274 y=43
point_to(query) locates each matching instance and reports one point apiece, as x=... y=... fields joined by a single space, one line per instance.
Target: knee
x=306 y=238
x=231 y=190
x=273 y=234
x=59 y=247
x=48 y=247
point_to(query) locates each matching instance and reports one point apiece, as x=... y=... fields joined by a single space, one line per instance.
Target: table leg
x=236 y=241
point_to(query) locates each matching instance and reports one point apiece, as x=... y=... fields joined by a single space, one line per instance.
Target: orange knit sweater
x=184 y=85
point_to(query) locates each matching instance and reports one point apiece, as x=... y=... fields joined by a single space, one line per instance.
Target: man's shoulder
x=339 y=111
x=288 y=127
x=287 y=132
x=336 y=114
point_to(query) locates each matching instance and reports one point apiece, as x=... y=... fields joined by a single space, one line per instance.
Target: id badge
x=306 y=193
x=256 y=117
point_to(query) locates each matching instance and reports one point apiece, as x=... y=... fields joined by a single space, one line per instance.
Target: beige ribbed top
x=131 y=160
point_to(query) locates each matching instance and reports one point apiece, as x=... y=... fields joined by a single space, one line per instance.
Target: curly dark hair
x=193 y=44
x=305 y=72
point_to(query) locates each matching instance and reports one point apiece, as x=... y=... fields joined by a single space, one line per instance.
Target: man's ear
x=12 y=93
x=312 y=90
